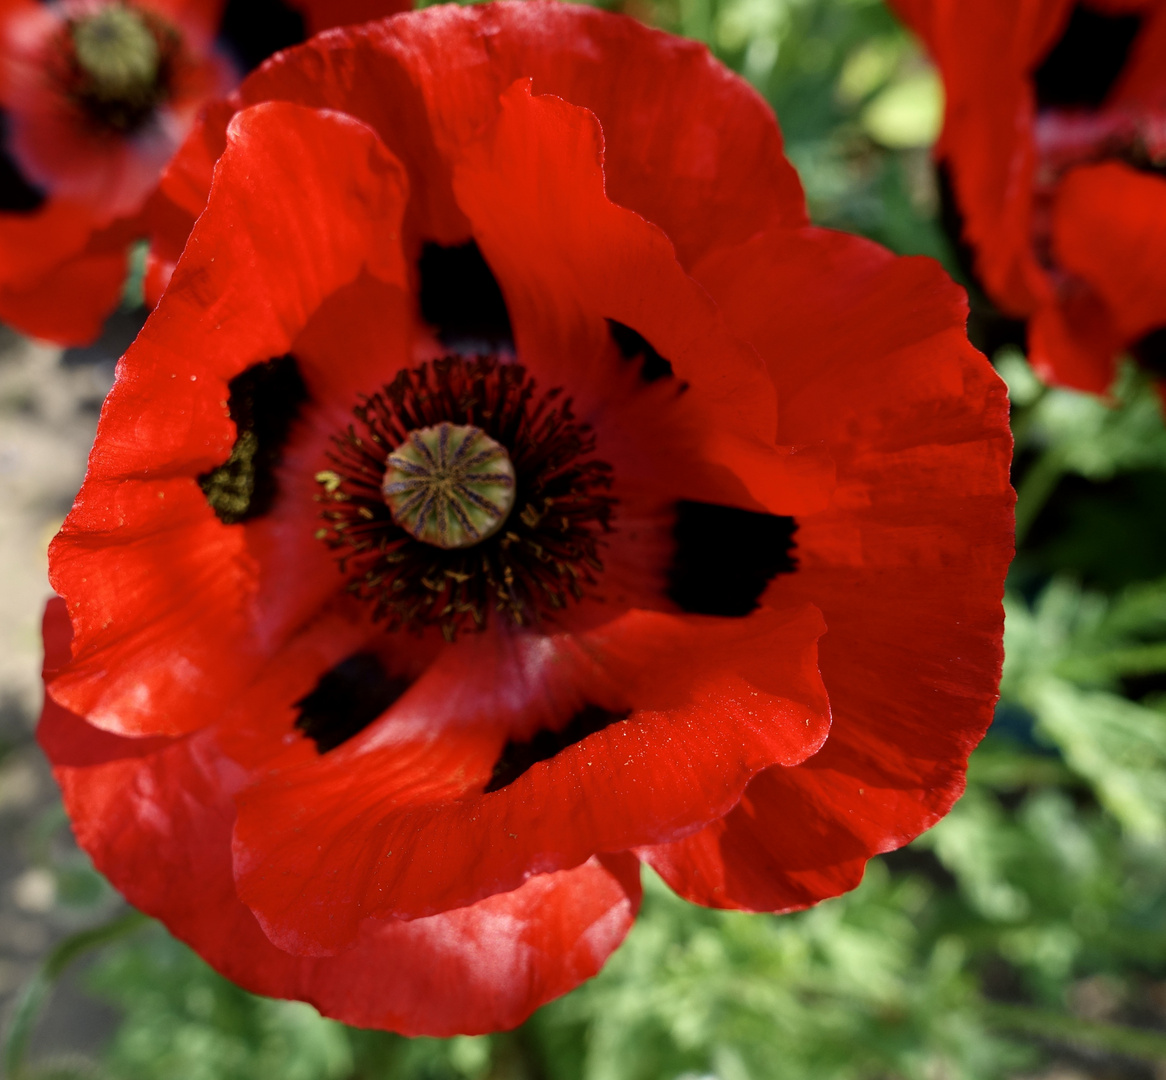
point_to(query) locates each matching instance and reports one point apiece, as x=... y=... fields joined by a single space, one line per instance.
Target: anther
x=449 y=485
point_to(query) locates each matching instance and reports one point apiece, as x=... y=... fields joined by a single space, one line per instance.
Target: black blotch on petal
x=461 y=299
x=1150 y=352
x=264 y=402
x=517 y=757
x=346 y=700
x=725 y=557
x=1082 y=67
x=633 y=345
x=251 y=30
x=17 y=195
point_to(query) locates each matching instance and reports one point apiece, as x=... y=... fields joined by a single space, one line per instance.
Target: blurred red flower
x=1055 y=146
x=96 y=95
x=404 y=763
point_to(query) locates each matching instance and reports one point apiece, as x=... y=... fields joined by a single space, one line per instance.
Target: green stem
x=37 y=990
x=1034 y=490
x=1060 y=1027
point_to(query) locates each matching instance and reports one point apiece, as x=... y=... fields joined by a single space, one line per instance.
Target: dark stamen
x=634 y=346
x=264 y=403
x=517 y=757
x=1087 y=60
x=461 y=299
x=547 y=553
x=346 y=700
x=251 y=30
x=17 y=195
x=725 y=557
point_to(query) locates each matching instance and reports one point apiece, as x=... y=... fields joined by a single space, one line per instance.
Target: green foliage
x=847 y=990
x=183 y=1020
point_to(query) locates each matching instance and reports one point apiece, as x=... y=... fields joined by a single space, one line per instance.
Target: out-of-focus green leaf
x=1097 y=439
x=1118 y=745
x=847 y=990
x=1065 y=655
x=184 y=1020
x=907 y=113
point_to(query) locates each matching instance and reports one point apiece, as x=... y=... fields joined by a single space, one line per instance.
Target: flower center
x=120 y=63
x=116 y=49
x=463 y=492
x=450 y=485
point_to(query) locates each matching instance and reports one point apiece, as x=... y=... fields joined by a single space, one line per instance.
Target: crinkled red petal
x=397 y=822
x=690 y=146
x=1074 y=342
x=1109 y=228
x=907 y=565
x=568 y=260
x=155 y=815
x=354 y=343
x=165 y=617
x=903 y=508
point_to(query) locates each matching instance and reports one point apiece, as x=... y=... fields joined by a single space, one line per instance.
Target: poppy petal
x=690 y=146
x=1074 y=342
x=578 y=261
x=424 y=790
x=488 y=966
x=697 y=151
x=1109 y=227
x=1051 y=133
x=32 y=244
x=401 y=822
x=908 y=576
x=480 y=968
x=168 y=605
x=93 y=281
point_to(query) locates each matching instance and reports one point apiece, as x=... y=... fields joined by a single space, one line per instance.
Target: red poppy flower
x=96 y=97
x=1055 y=144
x=435 y=563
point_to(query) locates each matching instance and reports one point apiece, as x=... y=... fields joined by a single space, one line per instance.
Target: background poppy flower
x=411 y=782
x=1054 y=144
x=96 y=97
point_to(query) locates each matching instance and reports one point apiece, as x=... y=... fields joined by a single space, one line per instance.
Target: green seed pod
x=449 y=485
